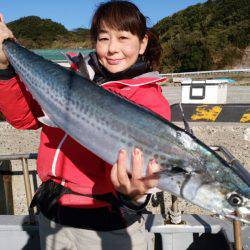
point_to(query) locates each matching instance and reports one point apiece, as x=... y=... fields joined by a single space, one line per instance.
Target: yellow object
x=245 y=117
x=205 y=113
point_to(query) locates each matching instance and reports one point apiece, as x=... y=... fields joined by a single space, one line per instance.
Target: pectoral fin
x=47 y=121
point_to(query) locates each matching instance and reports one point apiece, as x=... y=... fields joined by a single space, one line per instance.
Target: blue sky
x=77 y=13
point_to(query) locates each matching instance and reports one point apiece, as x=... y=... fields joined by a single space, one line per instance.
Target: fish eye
x=235 y=200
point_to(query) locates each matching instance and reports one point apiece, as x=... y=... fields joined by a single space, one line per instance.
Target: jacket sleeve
x=16 y=103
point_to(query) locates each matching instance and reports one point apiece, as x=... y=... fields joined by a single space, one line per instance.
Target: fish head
x=220 y=200
x=230 y=199
x=206 y=179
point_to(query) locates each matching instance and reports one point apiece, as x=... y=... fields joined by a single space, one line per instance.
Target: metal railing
x=197 y=74
x=25 y=169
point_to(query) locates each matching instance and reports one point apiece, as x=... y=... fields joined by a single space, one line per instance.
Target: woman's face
x=118 y=50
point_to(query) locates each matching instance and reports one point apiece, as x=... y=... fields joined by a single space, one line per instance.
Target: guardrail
x=200 y=74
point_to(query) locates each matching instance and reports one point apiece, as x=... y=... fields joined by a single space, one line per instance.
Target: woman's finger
x=137 y=163
x=153 y=167
x=122 y=174
x=113 y=176
x=151 y=180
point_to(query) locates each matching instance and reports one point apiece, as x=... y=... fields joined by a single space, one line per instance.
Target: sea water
x=58 y=54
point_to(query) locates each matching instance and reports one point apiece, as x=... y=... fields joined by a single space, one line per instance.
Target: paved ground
x=236 y=94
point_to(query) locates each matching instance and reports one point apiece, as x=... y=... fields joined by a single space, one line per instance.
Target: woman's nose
x=113 y=46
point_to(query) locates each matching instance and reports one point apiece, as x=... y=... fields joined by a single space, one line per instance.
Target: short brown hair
x=124 y=15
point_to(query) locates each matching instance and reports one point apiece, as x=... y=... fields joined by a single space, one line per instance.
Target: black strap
x=50 y=192
x=47 y=195
x=187 y=128
x=127 y=201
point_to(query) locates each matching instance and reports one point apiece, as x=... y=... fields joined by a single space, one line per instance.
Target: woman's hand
x=133 y=185
x=4 y=34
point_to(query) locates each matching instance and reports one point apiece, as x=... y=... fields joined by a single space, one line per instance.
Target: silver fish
x=104 y=123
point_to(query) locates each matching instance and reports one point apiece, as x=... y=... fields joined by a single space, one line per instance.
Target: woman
x=84 y=202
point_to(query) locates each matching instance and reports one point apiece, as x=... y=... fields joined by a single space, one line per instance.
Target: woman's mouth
x=114 y=61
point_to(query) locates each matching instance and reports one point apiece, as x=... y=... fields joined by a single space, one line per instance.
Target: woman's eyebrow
x=102 y=31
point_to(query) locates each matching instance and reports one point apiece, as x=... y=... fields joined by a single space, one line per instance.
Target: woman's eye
x=123 y=37
x=103 y=39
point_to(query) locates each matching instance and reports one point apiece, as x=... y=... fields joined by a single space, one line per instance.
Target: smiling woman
x=83 y=198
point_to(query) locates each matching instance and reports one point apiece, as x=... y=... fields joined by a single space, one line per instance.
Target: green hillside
x=205 y=36
x=37 y=33
x=212 y=35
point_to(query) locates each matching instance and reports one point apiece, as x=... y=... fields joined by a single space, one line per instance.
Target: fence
x=5 y=169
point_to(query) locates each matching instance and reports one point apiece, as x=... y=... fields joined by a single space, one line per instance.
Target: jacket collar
x=89 y=67
x=136 y=82
x=102 y=75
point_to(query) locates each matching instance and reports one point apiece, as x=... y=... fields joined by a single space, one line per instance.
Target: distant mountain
x=212 y=35
x=37 y=33
x=207 y=36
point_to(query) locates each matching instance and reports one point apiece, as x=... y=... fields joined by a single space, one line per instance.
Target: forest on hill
x=34 y=32
x=207 y=36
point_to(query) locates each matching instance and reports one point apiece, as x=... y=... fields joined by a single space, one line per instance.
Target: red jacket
x=60 y=157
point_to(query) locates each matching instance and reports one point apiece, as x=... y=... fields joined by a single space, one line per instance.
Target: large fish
x=104 y=123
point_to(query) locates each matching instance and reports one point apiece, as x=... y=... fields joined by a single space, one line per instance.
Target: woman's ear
x=144 y=44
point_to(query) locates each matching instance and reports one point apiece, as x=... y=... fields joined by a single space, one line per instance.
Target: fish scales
x=104 y=123
x=99 y=106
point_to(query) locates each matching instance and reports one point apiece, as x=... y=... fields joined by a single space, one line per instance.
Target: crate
x=204 y=91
